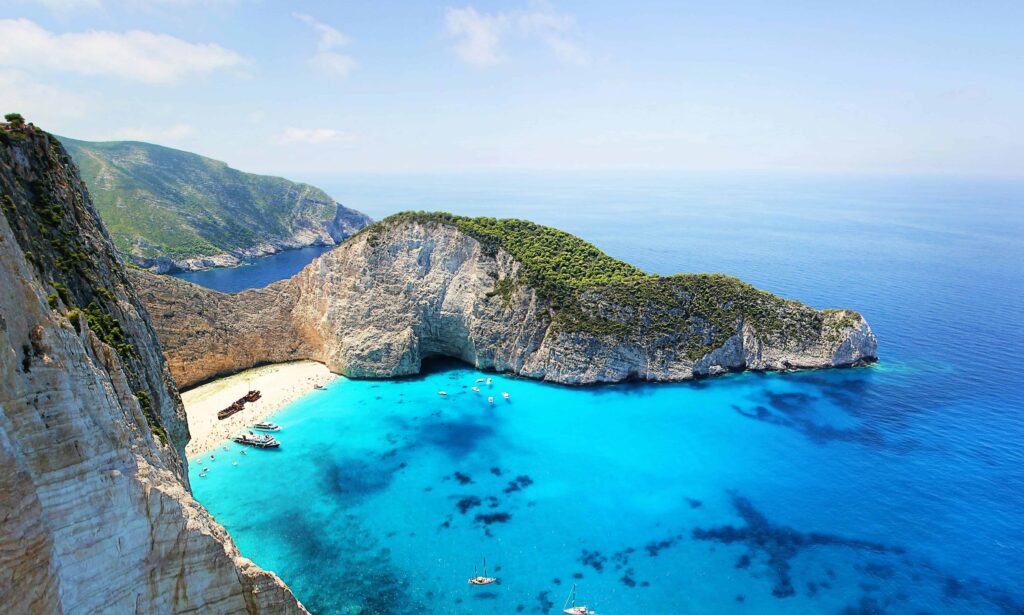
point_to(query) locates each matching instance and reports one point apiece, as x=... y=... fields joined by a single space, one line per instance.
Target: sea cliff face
x=419 y=286
x=98 y=515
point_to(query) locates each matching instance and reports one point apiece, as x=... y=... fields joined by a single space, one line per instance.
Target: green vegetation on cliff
x=593 y=293
x=158 y=201
x=49 y=214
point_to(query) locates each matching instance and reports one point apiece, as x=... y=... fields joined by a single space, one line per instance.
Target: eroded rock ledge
x=97 y=512
x=502 y=295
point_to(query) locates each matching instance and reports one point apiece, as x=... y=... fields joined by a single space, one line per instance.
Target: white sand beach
x=280 y=384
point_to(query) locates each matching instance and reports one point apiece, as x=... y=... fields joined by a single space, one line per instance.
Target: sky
x=790 y=86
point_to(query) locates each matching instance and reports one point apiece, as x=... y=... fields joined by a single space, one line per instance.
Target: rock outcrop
x=97 y=512
x=417 y=286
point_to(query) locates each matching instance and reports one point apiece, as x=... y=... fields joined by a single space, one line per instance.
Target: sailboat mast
x=485 y=566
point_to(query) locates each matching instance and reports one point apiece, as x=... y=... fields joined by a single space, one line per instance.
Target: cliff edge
x=504 y=295
x=98 y=516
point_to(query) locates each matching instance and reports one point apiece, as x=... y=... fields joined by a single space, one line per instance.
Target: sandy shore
x=280 y=385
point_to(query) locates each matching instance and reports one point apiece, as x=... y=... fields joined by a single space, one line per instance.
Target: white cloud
x=313 y=136
x=136 y=55
x=326 y=58
x=166 y=133
x=42 y=104
x=480 y=35
x=334 y=63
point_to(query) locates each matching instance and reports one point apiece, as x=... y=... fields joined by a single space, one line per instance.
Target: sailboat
x=481 y=580
x=570 y=608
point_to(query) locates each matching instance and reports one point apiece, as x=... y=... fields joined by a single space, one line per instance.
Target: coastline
x=280 y=384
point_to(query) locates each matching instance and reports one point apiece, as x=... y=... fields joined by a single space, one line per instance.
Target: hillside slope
x=506 y=295
x=172 y=210
x=98 y=516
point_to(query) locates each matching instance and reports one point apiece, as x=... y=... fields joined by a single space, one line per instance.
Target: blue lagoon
x=897 y=487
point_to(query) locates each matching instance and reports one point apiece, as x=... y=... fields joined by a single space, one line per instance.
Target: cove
x=257 y=273
x=768 y=493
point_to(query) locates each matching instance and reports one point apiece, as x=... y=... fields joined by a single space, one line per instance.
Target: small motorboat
x=570 y=608
x=490 y=400
x=318 y=387
x=234 y=463
x=479 y=379
x=477 y=389
x=441 y=393
x=266 y=426
x=202 y=475
x=257 y=440
x=481 y=580
x=505 y=395
x=488 y=382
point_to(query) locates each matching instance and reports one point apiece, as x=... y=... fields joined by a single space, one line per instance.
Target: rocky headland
x=98 y=513
x=169 y=210
x=503 y=295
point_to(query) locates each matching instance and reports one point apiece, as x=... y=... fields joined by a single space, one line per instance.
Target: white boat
x=504 y=394
x=266 y=426
x=442 y=393
x=479 y=379
x=257 y=440
x=481 y=579
x=490 y=400
x=570 y=608
x=477 y=389
x=488 y=381
x=202 y=475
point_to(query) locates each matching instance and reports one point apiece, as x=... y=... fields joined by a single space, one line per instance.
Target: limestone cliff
x=504 y=295
x=98 y=516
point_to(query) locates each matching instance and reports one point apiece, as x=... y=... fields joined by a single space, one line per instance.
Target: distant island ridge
x=169 y=210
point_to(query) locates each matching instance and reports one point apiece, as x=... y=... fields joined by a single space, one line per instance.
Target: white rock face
x=97 y=515
x=378 y=305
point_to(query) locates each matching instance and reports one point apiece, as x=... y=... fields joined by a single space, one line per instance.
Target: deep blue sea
x=896 y=488
x=256 y=273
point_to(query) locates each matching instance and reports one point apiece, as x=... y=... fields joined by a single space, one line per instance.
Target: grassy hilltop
x=158 y=201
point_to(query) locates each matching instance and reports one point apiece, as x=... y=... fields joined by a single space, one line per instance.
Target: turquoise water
x=896 y=488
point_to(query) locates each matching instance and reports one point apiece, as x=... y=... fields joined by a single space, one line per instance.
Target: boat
x=481 y=580
x=232 y=409
x=504 y=394
x=490 y=400
x=488 y=381
x=318 y=387
x=202 y=475
x=257 y=440
x=479 y=379
x=266 y=426
x=477 y=389
x=570 y=608
x=441 y=393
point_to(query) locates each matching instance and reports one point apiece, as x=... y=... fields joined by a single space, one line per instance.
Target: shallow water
x=894 y=488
